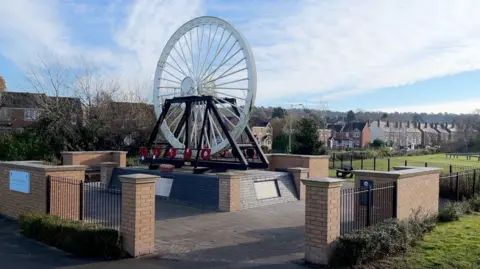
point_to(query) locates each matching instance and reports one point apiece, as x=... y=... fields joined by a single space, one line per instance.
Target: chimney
x=436 y=125
x=401 y=123
x=408 y=124
x=378 y=123
x=388 y=123
x=426 y=125
x=396 y=124
x=368 y=122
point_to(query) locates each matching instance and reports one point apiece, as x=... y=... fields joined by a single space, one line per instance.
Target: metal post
x=457 y=189
x=81 y=194
x=451 y=169
x=333 y=162
x=361 y=163
x=341 y=162
x=426 y=164
x=388 y=164
x=394 y=201
x=374 y=163
x=351 y=160
x=369 y=203
x=474 y=182
x=49 y=186
x=406 y=163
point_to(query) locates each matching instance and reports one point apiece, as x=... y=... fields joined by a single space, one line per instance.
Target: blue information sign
x=20 y=181
x=366 y=185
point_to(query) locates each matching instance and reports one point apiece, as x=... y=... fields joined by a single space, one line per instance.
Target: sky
x=404 y=55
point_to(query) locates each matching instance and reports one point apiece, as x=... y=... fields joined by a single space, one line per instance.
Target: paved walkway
x=259 y=236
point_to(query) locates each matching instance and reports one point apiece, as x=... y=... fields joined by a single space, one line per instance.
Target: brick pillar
x=138 y=214
x=106 y=170
x=299 y=173
x=120 y=157
x=229 y=192
x=322 y=218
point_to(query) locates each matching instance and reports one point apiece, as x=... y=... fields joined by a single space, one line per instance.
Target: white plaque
x=266 y=189
x=163 y=186
x=20 y=181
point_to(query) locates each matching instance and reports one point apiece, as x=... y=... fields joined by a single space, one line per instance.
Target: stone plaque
x=266 y=189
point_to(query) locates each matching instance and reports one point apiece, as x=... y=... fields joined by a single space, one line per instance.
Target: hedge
x=376 y=242
x=76 y=237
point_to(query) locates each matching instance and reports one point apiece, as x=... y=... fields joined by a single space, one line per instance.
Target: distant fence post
x=457 y=188
x=451 y=169
x=474 y=181
x=426 y=164
x=374 y=163
x=361 y=163
x=406 y=163
x=351 y=160
x=341 y=161
x=333 y=161
x=388 y=164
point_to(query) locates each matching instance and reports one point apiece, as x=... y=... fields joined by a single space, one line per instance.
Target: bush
x=389 y=237
x=453 y=211
x=76 y=237
x=475 y=203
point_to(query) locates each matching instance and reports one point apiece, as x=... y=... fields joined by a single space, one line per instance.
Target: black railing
x=387 y=164
x=366 y=206
x=89 y=202
x=103 y=206
x=460 y=185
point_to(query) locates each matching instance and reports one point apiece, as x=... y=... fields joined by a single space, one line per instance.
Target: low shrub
x=475 y=203
x=76 y=237
x=378 y=241
x=453 y=211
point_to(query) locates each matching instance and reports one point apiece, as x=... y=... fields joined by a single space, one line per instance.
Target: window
x=30 y=114
x=356 y=134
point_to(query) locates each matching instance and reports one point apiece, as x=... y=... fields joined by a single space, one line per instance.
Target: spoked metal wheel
x=205 y=56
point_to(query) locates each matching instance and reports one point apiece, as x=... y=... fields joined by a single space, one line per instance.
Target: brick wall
x=192 y=189
x=14 y=203
x=317 y=164
x=417 y=188
x=94 y=158
x=286 y=188
x=229 y=192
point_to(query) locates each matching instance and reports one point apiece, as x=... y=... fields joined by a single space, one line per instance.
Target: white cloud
x=460 y=106
x=308 y=47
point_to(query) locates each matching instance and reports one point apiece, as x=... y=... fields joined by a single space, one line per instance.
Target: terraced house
x=351 y=135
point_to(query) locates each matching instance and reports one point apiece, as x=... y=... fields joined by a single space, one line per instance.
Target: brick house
x=430 y=136
x=263 y=132
x=351 y=135
x=20 y=109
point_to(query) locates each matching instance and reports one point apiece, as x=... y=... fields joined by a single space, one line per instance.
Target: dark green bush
x=475 y=203
x=384 y=239
x=453 y=211
x=76 y=237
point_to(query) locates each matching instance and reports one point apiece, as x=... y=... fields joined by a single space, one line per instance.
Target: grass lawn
x=450 y=245
x=435 y=160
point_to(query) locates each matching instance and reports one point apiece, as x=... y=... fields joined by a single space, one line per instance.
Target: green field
x=451 y=245
x=436 y=160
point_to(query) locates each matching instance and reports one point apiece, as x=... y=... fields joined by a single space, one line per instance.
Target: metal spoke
x=223 y=61
x=210 y=42
x=191 y=53
x=185 y=57
x=233 y=81
x=179 y=71
x=215 y=57
x=199 y=48
x=226 y=75
x=233 y=96
x=231 y=88
x=165 y=70
x=173 y=81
